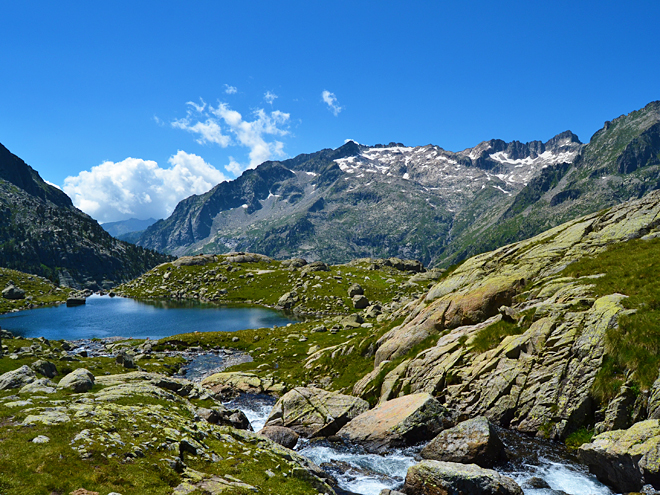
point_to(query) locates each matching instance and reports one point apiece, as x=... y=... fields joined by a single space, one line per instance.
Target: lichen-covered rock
x=313 y=412
x=78 y=381
x=286 y=437
x=448 y=478
x=220 y=415
x=46 y=368
x=397 y=422
x=229 y=384
x=626 y=459
x=474 y=441
x=39 y=386
x=180 y=386
x=17 y=378
x=355 y=290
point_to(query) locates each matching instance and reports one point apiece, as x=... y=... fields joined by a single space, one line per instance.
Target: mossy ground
x=279 y=352
x=38 y=291
x=631 y=268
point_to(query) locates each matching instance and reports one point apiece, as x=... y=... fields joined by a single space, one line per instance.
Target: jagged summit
x=419 y=202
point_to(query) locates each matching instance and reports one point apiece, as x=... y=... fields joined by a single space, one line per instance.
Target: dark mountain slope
x=42 y=232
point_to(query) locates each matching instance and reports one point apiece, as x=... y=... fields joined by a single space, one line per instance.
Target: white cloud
x=140 y=188
x=230 y=90
x=269 y=97
x=227 y=127
x=331 y=100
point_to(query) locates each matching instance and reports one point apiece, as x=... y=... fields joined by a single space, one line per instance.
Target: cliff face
x=42 y=232
x=516 y=339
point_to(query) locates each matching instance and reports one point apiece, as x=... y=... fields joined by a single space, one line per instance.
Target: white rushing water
x=367 y=474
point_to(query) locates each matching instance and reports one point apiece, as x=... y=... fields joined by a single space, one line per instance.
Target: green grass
x=579 y=437
x=38 y=291
x=631 y=268
x=490 y=337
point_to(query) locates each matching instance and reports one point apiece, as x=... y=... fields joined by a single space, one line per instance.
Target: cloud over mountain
x=140 y=188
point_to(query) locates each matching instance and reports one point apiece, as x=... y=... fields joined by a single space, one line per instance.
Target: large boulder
x=397 y=422
x=286 y=437
x=626 y=459
x=46 y=368
x=80 y=380
x=288 y=300
x=355 y=290
x=314 y=412
x=471 y=442
x=17 y=378
x=231 y=383
x=12 y=292
x=449 y=478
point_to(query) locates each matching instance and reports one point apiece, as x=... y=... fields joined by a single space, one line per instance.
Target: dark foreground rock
x=314 y=412
x=286 y=437
x=626 y=459
x=471 y=442
x=396 y=423
x=449 y=478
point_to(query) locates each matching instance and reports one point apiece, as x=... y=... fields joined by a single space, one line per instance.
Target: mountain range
x=420 y=202
x=41 y=232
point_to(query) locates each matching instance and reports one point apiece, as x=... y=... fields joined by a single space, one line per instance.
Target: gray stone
x=352 y=321
x=17 y=378
x=125 y=359
x=314 y=412
x=223 y=416
x=449 y=478
x=288 y=300
x=12 y=292
x=398 y=422
x=471 y=442
x=625 y=459
x=360 y=302
x=80 y=380
x=40 y=386
x=355 y=290
x=286 y=437
x=46 y=368
x=41 y=439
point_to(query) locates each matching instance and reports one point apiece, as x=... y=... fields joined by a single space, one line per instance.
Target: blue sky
x=86 y=86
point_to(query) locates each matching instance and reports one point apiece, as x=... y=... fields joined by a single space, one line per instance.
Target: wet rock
x=230 y=384
x=223 y=416
x=281 y=435
x=626 y=459
x=355 y=290
x=78 y=381
x=397 y=422
x=536 y=483
x=471 y=442
x=387 y=491
x=448 y=478
x=46 y=368
x=17 y=378
x=314 y=412
x=13 y=292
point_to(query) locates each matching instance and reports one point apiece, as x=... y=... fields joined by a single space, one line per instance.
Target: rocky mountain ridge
x=416 y=202
x=41 y=232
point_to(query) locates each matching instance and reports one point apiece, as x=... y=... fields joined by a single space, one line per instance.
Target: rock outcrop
x=78 y=381
x=449 y=478
x=626 y=459
x=17 y=378
x=396 y=423
x=229 y=384
x=313 y=412
x=536 y=380
x=474 y=441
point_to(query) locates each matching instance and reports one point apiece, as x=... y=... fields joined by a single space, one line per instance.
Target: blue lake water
x=104 y=316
